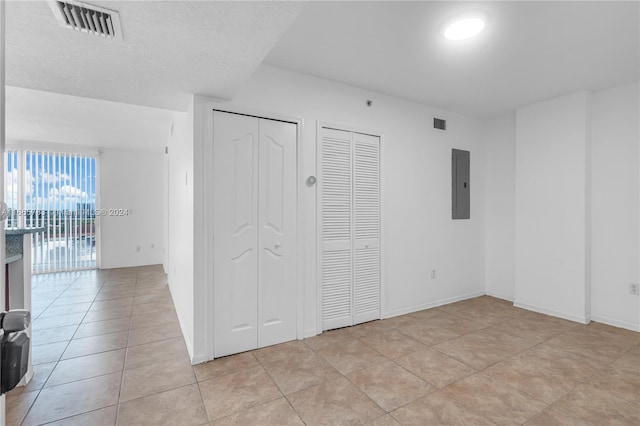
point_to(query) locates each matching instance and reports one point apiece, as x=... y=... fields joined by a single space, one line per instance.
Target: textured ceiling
x=529 y=52
x=170 y=50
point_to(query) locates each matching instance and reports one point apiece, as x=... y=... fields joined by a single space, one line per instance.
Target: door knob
x=366 y=245
x=277 y=245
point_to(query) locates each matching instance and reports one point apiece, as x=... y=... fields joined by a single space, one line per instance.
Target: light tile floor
x=108 y=350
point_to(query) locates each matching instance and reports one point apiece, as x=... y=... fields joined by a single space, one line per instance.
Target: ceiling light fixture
x=465 y=26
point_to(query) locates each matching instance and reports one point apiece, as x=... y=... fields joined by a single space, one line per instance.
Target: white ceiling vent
x=87 y=18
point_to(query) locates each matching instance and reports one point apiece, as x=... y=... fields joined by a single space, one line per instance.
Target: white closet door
x=277 y=235
x=366 y=184
x=235 y=223
x=335 y=228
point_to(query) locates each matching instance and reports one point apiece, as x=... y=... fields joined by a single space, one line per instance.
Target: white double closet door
x=254 y=232
x=349 y=227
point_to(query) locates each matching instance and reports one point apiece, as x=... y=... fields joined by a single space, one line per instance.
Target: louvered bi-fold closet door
x=366 y=183
x=350 y=227
x=336 y=229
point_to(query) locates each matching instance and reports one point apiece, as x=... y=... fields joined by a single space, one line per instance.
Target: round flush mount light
x=466 y=25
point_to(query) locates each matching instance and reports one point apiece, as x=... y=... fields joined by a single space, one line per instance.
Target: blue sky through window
x=52 y=181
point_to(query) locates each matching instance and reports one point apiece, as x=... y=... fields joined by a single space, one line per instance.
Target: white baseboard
x=199 y=359
x=499 y=296
x=428 y=305
x=414 y=308
x=194 y=358
x=187 y=340
x=127 y=264
x=310 y=333
x=550 y=312
x=616 y=323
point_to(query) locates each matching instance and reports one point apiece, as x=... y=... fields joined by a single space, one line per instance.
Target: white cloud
x=54 y=177
x=72 y=191
x=65 y=197
x=12 y=179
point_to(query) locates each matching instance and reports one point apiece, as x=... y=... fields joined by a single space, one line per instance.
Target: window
x=57 y=192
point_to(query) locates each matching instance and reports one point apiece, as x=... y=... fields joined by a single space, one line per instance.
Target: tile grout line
x=476 y=371
x=104 y=281
x=498 y=362
x=356 y=338
x=366 y=395
x=69 y=417
x=100 y=375
x=432 y=347
x=547 y=405
x=386 y=359
x=393 y=360
x=53 y=301
x=283 y=394
x=54 y=367
x=134 y=368
x=126 y=352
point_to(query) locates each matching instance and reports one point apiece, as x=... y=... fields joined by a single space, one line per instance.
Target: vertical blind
x=57 y=192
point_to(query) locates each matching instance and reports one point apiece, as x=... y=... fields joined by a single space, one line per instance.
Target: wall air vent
x=439 y=123
x=87 y=18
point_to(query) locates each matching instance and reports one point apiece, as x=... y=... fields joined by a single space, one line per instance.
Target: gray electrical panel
x=460 y=185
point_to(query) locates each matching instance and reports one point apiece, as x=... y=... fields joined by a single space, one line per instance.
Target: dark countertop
x=13 y=242
x=22 y=231
x=12 y=258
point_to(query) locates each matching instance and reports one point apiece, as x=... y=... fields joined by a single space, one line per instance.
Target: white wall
x=615 y=199
x=418 y=230
x=131 y=180
x=180 y=222
x=552 y=233
x=612 y=254
x=529 y=236
x=499 y=137
x=132 y=140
